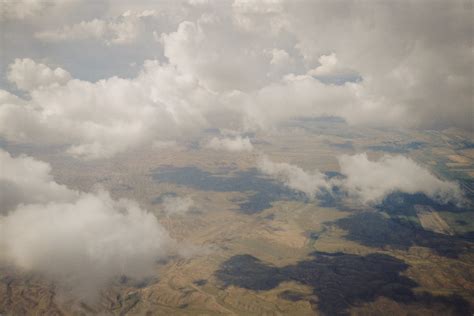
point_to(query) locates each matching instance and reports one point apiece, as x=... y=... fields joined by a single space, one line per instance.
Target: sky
x=99 y=78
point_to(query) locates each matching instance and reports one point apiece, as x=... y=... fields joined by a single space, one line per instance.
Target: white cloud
x=100 y=119
x=177 y=205
x=79 y=240
x=371 y=181
x=9 y=98
x=331 y=71
x=235 y=144
x=299 y=96
x=26 y=180
x=28 y=75
x=294 y=177
x=218 y=55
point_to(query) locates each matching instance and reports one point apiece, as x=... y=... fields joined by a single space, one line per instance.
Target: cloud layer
x=243 y=65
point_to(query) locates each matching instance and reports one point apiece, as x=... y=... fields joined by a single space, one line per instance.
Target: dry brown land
x=218 y=231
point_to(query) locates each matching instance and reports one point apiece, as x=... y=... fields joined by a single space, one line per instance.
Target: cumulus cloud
x=26 y=180
x=369 y=182
x=216 y=53
x=237 y=143
x=9 y=98
x=177 y=205
x=79 y=240
x=28 y=75
x=100 y=119
x=330 y=71
x=294 y=177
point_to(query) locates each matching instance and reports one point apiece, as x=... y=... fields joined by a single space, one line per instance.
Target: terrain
x=254 y=246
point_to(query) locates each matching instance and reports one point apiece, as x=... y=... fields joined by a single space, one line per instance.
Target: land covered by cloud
x=175 y=205
x=234 y=144
x=80 y=240
x=366 y=181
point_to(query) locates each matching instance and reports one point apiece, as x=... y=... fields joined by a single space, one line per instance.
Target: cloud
x=9 y=98
x=28 y=75
x=330 y=71
x=22 y=10
x=79 y=240
x=26 y=180
x=217 y=54
x=246 y=65
x=235 y=144
x=408 y=82
x=120 y=30
x=294 y=177
x=371 y=181
x=280 y=57
x=177 y=205
x=300 y=96
x=100 y=119
x=366 y=181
